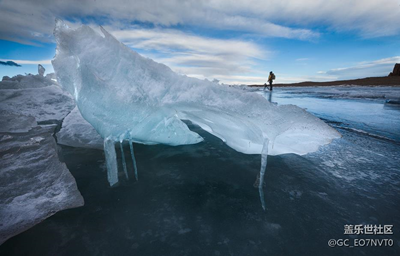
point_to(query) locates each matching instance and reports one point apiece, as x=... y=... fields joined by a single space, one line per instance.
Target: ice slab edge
x=77 y=132
x=34 y=184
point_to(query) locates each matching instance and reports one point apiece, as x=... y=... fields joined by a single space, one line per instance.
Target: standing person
x=270 y=79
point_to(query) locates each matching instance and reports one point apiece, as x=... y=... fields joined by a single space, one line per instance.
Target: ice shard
x=41 y=70
x=124 y=95
x=123 y=159
x=264 y=157
x=111 y=161
x=133 y=158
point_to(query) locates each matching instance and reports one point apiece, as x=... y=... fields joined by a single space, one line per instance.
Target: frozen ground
x=345 y=92
x=200 y=200
x=34 y=184
x=27 y=81
x=48 y=104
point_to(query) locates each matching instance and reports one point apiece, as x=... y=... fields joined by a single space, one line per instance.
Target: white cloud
x=29 y=62
x=381 y=67
x=168 y=40
x=369 y=18
x=194 y=55
x=375 y=68
x=288 y=78
x=32 y=22
x=235 y=79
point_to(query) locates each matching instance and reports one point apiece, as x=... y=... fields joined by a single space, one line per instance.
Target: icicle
x=133 y=158
x=111 y=160
x=264 y=156
x=123 y=159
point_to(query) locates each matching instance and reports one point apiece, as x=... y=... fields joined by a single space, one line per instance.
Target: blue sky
x=232 y=41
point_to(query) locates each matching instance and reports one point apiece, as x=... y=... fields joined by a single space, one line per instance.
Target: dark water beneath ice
x=200 y=199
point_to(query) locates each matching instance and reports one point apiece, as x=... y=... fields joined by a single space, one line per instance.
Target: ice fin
x=116 y=90
x=41 y=70
x=111 y=160
x=123 y=159
x=133 y=158
x=264 y=155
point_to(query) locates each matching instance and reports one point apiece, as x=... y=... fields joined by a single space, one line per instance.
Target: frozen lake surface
x=358 y=108
x=200 y=199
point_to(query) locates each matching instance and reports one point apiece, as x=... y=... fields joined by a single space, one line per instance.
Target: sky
x=235 y=42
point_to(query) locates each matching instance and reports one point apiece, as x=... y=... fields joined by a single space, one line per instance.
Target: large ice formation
x=128 y=97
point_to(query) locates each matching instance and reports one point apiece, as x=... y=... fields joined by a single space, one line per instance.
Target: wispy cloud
x=288 y=78
x=223 y=46
x=192 y=55
x=9 y=63
x=32 y=22
x=375 y=68
x=381 y=67
x=28 y=62
x=168 y=40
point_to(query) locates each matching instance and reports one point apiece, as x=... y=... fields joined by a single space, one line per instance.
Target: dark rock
x=396 y=70
x=394 y=102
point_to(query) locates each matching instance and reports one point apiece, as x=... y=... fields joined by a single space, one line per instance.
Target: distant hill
x=369 y=81
x=393 y=80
